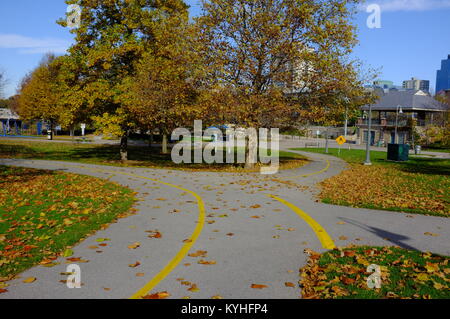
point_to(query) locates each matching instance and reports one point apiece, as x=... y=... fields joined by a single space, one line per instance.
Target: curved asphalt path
x=252 y=238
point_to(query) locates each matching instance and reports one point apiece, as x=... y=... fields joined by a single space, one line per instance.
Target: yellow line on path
x=316 y=173
x=323 y=236
x=186 y=247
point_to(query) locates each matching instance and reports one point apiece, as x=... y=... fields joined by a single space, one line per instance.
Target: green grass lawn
x=342 y=274
x=44 y=212
x=415 y=164
x=420 y=185
x=439 y=150
x=109 y=155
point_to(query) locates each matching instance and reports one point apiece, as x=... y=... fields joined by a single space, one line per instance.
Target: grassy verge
x=342 y=273
x=109 y=155
x=43 y=212
x=420 y=186
x=439 y=150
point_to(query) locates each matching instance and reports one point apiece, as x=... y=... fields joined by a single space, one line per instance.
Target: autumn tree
x=444 y=98
x=169 y=78
x=281 y=58
x=111 y=39
x=39 y=93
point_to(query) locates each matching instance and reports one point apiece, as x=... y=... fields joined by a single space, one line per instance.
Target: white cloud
x=28 y=45
x=411 y=5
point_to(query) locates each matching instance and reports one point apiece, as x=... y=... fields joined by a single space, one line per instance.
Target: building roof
x=411 y=100
x=6 y=114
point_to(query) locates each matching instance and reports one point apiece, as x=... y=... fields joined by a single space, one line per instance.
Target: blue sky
x=414 y=37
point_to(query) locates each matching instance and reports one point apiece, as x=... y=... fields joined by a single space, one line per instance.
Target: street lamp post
x=346 y=100
x=398 y=111
x=369 y=127
x=346 y=122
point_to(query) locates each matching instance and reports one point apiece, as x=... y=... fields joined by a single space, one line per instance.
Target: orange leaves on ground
x=193 y=288
x=344 y=272
x=349 y=253
x=388 y=187
x=257 y=286
x=289 y=284
x=348 y=281
x=137 y=263
x=134 y=245
x=431 y=234
x=158 y=295
x=41 y=209
x=206 y=262
x=77 y=260
x=154 y=234
x=29 y=280
x=198 y=253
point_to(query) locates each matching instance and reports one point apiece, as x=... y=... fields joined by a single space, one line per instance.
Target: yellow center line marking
x=315 y=173
x=323 y=236
x=186 y=247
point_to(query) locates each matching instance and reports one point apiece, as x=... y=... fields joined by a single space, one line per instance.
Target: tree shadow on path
x=396 y=239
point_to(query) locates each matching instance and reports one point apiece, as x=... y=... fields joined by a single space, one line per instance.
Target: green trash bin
x=398 y=152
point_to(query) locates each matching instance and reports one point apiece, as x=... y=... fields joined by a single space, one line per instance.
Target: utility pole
x=398 y=110
x=369 y=127
x=347 y=100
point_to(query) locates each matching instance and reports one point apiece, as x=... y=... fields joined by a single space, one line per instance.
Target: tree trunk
x=251 y=149
x=150 y=140
x=124 y=147
x=51 y=130
x=164 y=144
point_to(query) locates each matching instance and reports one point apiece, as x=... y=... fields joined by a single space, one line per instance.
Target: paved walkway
x=250 y=238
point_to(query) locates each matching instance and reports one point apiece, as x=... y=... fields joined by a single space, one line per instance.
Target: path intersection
x=205 y=235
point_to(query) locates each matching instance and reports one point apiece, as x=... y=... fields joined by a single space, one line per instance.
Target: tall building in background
x=443 y=76
x=416 y=84
x=383 y=84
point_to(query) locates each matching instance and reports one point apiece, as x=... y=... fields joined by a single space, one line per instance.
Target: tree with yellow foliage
x=169 y=79
x=109 y=43
x=282 y=59
x=39 y=93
